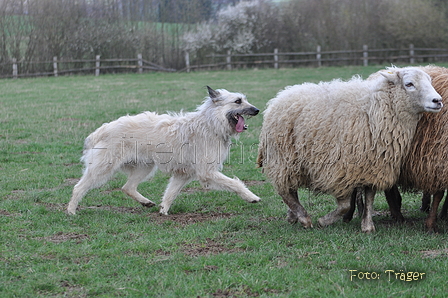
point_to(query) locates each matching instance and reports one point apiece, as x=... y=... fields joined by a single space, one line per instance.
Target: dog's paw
x=255 y=200
x=163 y=211
x=148 y=204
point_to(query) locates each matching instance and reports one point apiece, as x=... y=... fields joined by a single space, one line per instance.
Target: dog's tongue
x=240 y=124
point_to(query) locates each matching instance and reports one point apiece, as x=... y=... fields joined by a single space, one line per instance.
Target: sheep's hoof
x=292 y=217
x=307 y=225
x=398 y=218
x=431 y=226
x=368 y=230
x=322 y=222
x=71 y=211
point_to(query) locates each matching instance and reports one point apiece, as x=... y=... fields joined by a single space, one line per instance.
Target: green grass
x=213 y=244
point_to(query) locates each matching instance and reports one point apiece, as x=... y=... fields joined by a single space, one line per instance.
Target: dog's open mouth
x=237 y=120
x=240 y=123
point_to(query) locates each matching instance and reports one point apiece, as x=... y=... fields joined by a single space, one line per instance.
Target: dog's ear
x=213 y=93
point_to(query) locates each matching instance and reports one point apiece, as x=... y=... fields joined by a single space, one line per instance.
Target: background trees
x=162 y=30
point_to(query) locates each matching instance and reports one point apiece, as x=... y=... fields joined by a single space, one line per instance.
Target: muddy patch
x=63 y=237
x=16 y=194
x=188 y=218
x=243 y=292
x=210 y=247
x=435 y=253
x=118 y=209
x=4 y=213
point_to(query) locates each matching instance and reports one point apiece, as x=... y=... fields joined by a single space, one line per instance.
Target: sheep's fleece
x=334 y=136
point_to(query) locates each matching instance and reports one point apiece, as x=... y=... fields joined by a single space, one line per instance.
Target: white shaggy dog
x=190 y=146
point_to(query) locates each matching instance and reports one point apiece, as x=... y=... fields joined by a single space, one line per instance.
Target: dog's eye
x=238 y=101
x=409 y=85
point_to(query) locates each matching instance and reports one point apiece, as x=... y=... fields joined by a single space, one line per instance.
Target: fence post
x=55 y=66
x=411 y=54
x=187 y=60
x=319 y=57
x=365 y=55
x=15 y=73
x=97 y=66
x=229 y=60
x=276 y=58
x=140 y=63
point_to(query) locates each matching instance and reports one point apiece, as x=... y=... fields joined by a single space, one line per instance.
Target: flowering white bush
x=236 y=28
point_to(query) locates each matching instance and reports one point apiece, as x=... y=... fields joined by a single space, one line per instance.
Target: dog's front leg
x=219 y=181
x=177 y=182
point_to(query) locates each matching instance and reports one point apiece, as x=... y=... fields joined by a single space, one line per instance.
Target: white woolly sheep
x=333 y=136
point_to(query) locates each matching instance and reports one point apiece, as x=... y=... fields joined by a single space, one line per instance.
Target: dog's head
x=235 y=107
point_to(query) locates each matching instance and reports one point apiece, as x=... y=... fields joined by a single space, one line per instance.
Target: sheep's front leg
x=341 y=210
x=296 y=212
x=367 y=225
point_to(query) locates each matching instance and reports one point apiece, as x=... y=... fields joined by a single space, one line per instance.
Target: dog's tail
x=90 y=142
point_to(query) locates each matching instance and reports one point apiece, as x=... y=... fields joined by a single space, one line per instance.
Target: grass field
x=213 y=244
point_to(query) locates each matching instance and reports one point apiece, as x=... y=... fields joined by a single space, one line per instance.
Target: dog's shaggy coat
x=333 y=136
x=190 y=146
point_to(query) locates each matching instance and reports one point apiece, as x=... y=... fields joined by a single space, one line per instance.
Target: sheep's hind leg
x=444 y=212
x=367 y=225
x=355 y=198
x=296 y=212
x=341 y=210
x=394 y=199
x=431 y=220
x=136 y=175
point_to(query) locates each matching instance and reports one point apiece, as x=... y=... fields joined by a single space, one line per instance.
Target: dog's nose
x=256 y=111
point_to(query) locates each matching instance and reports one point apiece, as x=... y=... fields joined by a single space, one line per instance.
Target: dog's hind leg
x=92 y=178
x=219 y=181
x=136 y=175
x=177 y=182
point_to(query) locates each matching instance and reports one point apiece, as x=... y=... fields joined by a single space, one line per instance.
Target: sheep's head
x=417 y=85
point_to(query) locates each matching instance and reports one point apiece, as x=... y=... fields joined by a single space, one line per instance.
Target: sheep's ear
x=214 y=95
x=391 y=75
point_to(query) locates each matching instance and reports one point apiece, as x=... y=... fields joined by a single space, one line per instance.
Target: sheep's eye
x=409 y=85
x=238 y=101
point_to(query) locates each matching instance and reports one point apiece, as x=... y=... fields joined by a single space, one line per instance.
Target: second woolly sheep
x=333 y=136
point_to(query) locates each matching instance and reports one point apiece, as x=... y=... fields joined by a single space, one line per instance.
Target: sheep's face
x=417 y=85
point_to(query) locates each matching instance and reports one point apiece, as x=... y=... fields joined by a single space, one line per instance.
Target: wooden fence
x=228 y=61
x=60 y=66
x=320 y=58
